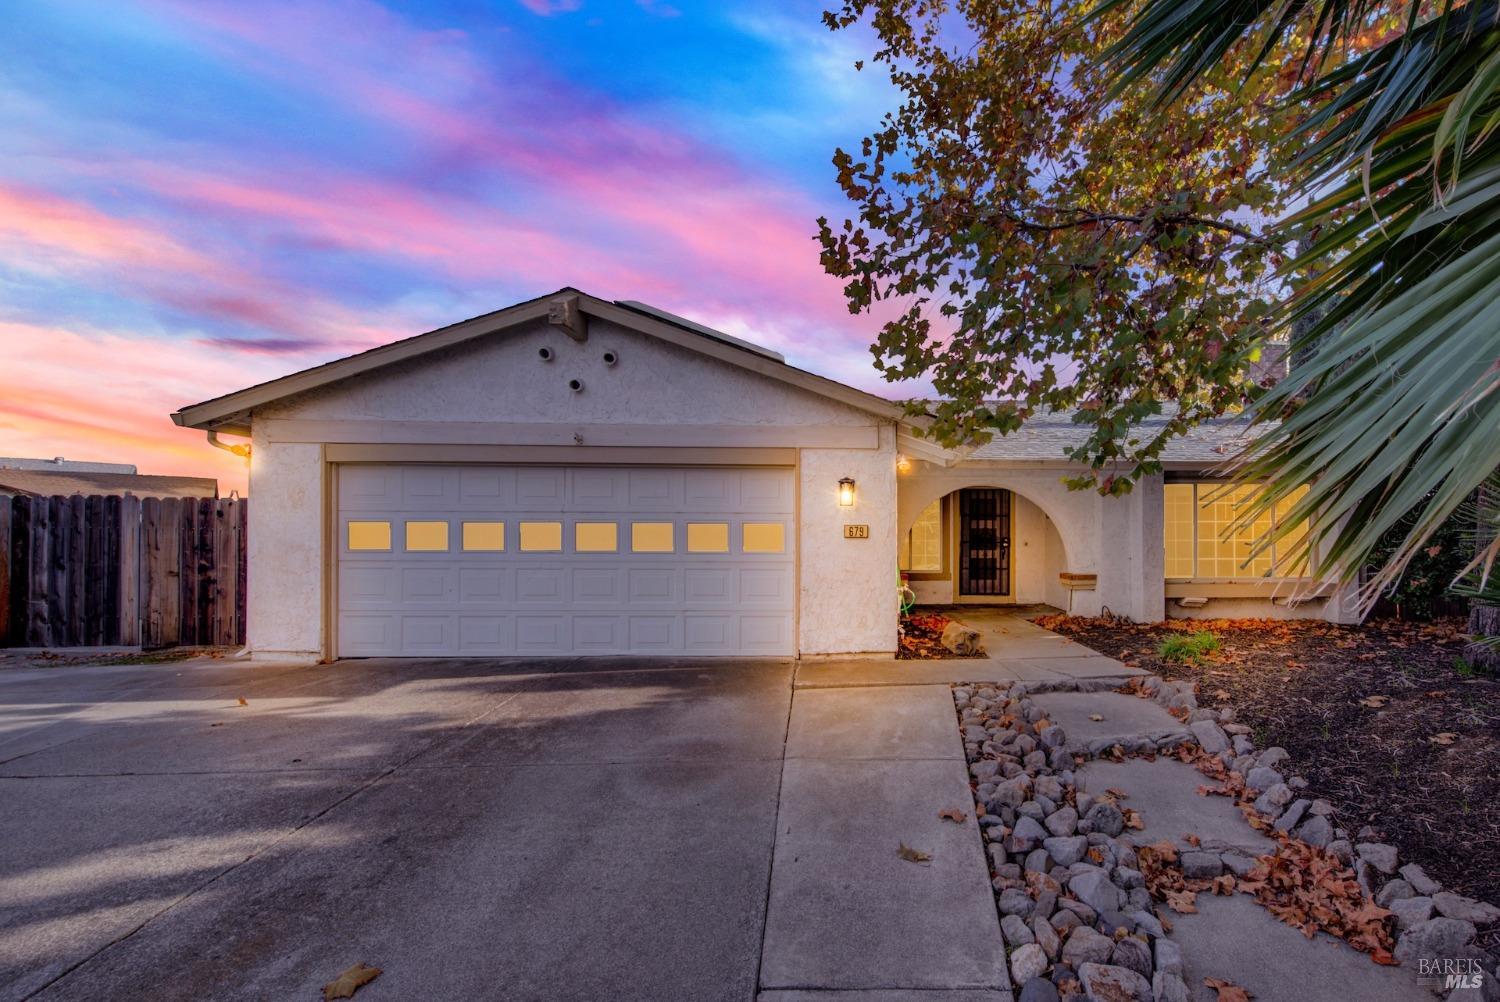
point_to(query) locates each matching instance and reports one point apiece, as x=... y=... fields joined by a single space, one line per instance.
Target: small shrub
x=1189 y=647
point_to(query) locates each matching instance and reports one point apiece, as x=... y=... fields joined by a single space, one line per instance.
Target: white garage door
x=548 y=560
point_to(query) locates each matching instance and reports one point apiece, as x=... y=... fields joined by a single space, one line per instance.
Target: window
x=708 y=537
x=763 y=537
x=922 y=548
x=651 y=537
x=541 y=537
x=426 y=537
x=594 y=537
x=369 y=535
x=1196 y=520
x=484 y=536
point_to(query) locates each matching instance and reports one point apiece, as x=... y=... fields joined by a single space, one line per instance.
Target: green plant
x=1396 y=403
x=1464 y=669
x=1188 y=647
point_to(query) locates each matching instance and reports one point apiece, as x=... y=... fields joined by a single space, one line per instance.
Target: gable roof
x=231 y=412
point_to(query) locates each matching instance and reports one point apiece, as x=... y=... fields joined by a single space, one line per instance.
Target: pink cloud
x=546 y=8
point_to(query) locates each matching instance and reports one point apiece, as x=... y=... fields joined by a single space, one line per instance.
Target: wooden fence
x=100 y=570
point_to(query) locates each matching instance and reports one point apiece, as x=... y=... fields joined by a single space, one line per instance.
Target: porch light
x=846 y=492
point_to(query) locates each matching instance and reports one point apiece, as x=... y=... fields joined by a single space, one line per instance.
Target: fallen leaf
x=1096 y=716
x=1221 y=694
x=1116 y=793
x=1375 y=701
x=1228 y=990
x=244 y=701
x=911 y=855
x=952 y=814
x=1182 y=902
x=1192 y=840
x=345 y=985
x=1436 y=693
x=1443 y=738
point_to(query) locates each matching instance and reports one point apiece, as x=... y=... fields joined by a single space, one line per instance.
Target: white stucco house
x=573 y=476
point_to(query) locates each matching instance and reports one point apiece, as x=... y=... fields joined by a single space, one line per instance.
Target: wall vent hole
x=545 y=354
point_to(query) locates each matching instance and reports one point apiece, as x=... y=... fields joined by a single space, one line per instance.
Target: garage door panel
x=486 y=634
x=369 y=585
x=542 y=634
x=486 y=586
x=544 y=584
x=541 y=489
x=427 y=585
x=714 y=572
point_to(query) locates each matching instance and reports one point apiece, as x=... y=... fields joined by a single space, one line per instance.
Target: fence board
x=130 y=537
x=104 y=570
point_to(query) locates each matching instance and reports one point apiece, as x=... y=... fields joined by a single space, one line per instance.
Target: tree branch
x=1083 y=217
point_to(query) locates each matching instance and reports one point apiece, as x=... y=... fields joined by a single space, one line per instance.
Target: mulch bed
x=1378 y=719
x=922 y=638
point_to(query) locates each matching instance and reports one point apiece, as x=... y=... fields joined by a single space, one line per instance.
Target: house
x=573 y=476
x=48 y=477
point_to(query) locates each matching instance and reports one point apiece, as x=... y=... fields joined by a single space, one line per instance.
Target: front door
x=984 y=542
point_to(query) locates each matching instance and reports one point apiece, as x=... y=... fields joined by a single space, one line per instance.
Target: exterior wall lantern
x=846 y=492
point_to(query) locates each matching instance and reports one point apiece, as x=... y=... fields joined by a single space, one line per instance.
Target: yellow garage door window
x=488 y=536
x=708 y=537
x=541 y=537
x=369 y=535
x=651 y=537
x=426 y=537
x=594 y=537
x=764 y=537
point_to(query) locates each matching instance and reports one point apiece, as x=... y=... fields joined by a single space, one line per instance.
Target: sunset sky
x=196 y=196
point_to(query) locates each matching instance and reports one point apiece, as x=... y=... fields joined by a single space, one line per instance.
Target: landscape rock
x=1106 y=818
x=1067 y=850
x=1085 y=946
x=1201 y=865
x=1046 y=937
x=1026 y=963
x=1272 y=757
x=1435 y=938
x=1025 y=836
x=1132 y=954
x=960 y=639
x=1395 y=890
x=1038 y=990
x=1272 y=800
x=1291 y=815
x=1014 y=901
x=1168 y=956
x=1015 y=930
x=1379 y=855
x=1094 y=888
x=1456 y=906
x=1107 y=983
x=1211 y=736
x=1316 y=831
x=1263 y=778
x=1063 y=821
x=1237 y=863
x=1410 y=911
x=1419 y=880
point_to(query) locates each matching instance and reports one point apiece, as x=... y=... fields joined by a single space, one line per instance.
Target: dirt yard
x=1383 y=720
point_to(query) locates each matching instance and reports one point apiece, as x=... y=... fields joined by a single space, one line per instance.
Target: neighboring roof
x=231 y=412
x=59 y=463
x=1049 y=436
x=44 y=483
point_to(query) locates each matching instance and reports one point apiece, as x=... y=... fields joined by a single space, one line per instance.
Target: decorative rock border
x=1068 y=879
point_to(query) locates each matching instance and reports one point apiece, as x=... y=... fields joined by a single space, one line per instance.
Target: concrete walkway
x=868 y=770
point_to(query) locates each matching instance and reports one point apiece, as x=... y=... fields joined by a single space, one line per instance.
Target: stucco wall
x=284 y=607
x=847 y=587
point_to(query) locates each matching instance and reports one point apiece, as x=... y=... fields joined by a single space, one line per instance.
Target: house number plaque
x=856 y=532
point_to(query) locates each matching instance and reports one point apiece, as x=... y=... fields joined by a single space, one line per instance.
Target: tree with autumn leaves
x=1111 y=208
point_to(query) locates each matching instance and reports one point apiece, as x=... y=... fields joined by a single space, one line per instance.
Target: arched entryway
x=992 y=537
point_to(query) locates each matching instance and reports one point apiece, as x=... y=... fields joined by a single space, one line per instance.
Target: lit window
x=708 y=537
x=426 y=537
x=369 y=535
x=1203 y=542
x=594 y=537
x=922 y=547
x=541 y=536
x=484 y=536
x=651 y=537
x=764 y=537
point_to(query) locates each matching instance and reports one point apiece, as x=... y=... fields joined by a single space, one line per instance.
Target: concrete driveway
x=491 y=829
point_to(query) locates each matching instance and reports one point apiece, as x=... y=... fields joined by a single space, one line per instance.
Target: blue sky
x=200 y=195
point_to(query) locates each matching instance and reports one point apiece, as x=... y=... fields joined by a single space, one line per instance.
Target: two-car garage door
x=552 y=560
